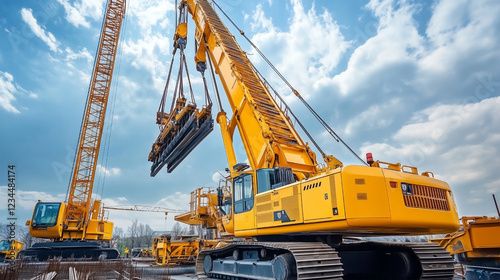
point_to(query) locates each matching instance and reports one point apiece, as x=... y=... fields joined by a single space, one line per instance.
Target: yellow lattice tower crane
x=77 y=228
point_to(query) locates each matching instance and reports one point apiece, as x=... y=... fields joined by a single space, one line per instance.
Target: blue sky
x=415 y=82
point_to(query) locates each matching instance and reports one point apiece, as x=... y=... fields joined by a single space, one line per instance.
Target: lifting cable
x=320 y=120
x=161 y=109
x=184 y=126
x=219 y=102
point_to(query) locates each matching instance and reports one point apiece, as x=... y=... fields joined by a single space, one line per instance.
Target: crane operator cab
x=47 y=218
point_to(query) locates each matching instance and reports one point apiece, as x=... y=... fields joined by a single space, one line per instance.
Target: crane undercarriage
x=317 y=260
x=69 y=250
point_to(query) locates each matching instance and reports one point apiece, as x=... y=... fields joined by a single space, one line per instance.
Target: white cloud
x=39 y=31
x=82 y=54
x=115 y=201
x=144 y=53
x=371 y=119
x=463 y=38
x=178 y=200
x=26 y=200
x=397 y=44
x=72 y=58
x=313 y=44
x=149 y=47
x=217 y=177
x=81 y=10
x=107 y=171
x=7 y=90
x=150 y=13
x=459 y=143
x=260 y=22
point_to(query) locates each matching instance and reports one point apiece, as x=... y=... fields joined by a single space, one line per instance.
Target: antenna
x=495 y=200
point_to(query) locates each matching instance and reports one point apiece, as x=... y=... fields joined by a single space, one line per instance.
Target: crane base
x=68 y=250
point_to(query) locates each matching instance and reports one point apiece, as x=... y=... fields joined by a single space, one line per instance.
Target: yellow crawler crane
x=297 y=211
x=78 y=227
x=207 y=211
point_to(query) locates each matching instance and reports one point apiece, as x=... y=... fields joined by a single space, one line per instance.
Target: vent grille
x=360 y=181
x=428 y=198
x=291 y=205
x=263 y=198
x=264 y=207
x=265 y=217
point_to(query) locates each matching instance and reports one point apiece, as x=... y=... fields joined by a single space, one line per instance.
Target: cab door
x=243 y=203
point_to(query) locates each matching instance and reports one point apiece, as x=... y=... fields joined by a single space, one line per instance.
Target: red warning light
x=369 y=158
x=393 y=184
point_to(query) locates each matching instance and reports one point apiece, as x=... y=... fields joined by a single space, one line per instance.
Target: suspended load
x=184 y=129
x=185 y=126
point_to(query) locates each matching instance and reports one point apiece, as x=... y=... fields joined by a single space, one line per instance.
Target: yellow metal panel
x=485 y=236
x=245 y=220
x=279 y=207
x=365 y=193
x=317 y=199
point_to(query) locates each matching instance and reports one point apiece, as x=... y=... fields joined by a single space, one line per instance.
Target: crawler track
x=388 y=260
x=436 y=262
x=315 y=260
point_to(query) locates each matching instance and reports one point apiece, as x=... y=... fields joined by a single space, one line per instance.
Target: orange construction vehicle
x=298 y=212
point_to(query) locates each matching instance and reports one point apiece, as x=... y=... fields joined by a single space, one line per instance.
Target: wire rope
x=320 y=120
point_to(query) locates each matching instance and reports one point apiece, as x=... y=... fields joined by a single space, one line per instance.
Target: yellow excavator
x=300 y=215
x=78 y=227
x=9 y=249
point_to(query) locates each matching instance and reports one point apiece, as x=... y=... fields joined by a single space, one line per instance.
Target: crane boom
x=268 y=136
x=143 y=208
x=90 y=139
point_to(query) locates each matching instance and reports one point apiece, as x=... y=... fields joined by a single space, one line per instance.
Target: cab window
x=265 y=179
x=46 y=214
x=243 y=194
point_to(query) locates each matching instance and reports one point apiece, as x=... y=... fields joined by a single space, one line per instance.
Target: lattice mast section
x=79 y=197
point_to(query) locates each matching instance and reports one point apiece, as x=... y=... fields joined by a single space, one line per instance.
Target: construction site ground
x=119 y=269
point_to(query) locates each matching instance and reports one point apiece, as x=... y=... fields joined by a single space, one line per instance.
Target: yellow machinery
x=476 y=244
x=147 y=253
x=297 y=211
x=9 y=249
x=78 y=226
x=182 y=251
x=205 y=211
